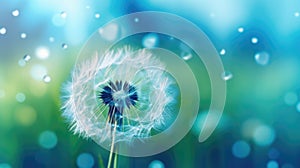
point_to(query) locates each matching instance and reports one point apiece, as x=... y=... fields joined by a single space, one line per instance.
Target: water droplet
x=51 y=39
x=63 y=14
x=97 y=15
x=64 y=46
x=272 y=164
x=156 y=164
x=27 y=58
x=186 y=55
x=254 y=40
x=298 y=107
x=223 y=52
x=42 y=52
x=23 y=35
x=296 y=14
x=262 y=58
x=3 y=30
x=150 y=40
x=85 y=160
x=241 y=149
x=264 y=135
x=20 y=97
x=15 y=12
x=136 y=20
x=226 y=75
x=47 y=139
x=47 y=79
x=87 y=6
x=241 y=29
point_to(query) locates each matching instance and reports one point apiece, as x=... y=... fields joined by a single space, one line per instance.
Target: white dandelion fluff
x=123 y=92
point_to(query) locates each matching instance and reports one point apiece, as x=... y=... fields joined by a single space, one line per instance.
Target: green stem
x=112 y=147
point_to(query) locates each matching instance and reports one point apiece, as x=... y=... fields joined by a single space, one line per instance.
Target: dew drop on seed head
x=226 y=75
x=262 y=58
x=47 y=79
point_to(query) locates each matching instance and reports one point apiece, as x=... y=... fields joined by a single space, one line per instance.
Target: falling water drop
x=15 y=13
x=63 y=14
x=27 y=58
x=136 y=20
x=47 y=79
x=296 y=14
x=262 y=58
x=64 y=46
x=223 y=52
x=97 y=15
x=226 y=75
x=51 y=39
x=241 y=29
x=254 y=40
x=3 y=30
x=23 y=35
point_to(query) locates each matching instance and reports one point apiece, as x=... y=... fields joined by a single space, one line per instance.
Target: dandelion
x=118 y=96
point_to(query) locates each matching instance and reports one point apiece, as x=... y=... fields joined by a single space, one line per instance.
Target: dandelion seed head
x=123 y=88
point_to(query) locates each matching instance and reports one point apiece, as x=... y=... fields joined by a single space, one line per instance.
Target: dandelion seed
x=118 y=96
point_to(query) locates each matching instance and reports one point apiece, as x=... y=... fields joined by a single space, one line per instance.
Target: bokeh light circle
x=167 y=24
x=47 y=139
x=264 y=135
x=272 y=164
x=85 y=160
x=241 y=149
x=156 y=164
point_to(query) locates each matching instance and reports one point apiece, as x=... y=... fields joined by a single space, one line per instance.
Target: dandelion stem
x=116 y=159
x=112 y=146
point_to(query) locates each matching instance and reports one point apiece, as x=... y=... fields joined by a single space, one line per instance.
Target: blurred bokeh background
x=258 y=42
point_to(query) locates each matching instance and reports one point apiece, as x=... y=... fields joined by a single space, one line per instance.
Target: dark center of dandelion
x=118 y=96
